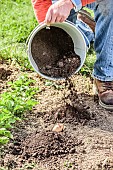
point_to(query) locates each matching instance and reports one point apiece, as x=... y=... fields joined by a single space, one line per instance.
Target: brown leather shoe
x=87 y=18
x=105 y=93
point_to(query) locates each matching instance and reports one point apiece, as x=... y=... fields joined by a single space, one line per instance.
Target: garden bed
x=86 y=142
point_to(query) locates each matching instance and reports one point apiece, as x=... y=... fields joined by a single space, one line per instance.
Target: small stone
x=48 y=67
x=72 y=150
x=59 y=127
x=44 y=53
x=58 y=115
x=64 y=57
x=60 y=64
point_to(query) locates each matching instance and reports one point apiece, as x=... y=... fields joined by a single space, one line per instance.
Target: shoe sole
x=107 y=107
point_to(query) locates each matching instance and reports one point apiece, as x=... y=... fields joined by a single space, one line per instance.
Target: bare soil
x=86 y=143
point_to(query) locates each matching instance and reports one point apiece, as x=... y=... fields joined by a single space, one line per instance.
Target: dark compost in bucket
x=53 y=52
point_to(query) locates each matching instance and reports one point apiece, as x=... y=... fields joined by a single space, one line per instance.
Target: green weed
x=14 y=103
x=17 y=20
x=53 y=84
x=68 y=165
x=89 y=63
x=29 y=166
x=90 y=11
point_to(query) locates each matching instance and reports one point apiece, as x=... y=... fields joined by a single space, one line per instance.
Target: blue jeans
x=103 y=43
x=84 y=28
x=103 y=67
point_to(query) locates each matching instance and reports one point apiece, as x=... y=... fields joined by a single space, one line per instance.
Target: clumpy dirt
x=47 y=144
x=56 y=57
x=7 y=73
x=4 y=73
x=86 y=143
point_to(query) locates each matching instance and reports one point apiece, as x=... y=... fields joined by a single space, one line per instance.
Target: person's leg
x=103 y=67
x=82 y=26
x=86 y=30
x=91 y=6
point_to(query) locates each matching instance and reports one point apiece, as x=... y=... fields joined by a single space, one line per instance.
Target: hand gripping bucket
x=80 y=47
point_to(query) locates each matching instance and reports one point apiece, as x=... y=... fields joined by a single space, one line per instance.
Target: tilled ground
x=86 y=143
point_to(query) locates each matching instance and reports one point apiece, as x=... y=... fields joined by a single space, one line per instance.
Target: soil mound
x=46 y=144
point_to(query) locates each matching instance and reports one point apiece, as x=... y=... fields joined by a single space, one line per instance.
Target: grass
x=17 y=20
x=89 y=63
x=90 y=11
x=18 y=99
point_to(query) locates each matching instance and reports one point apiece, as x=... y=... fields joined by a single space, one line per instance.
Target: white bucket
x=80 y=47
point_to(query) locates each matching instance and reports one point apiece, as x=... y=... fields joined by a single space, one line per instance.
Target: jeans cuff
x=102 y=78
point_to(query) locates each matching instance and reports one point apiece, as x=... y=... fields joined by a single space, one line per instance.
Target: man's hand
x=59 y=11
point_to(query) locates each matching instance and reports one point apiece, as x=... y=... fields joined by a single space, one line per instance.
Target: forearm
x=41 y=7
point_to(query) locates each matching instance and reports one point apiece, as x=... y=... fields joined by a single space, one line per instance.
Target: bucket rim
x=29 y=42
